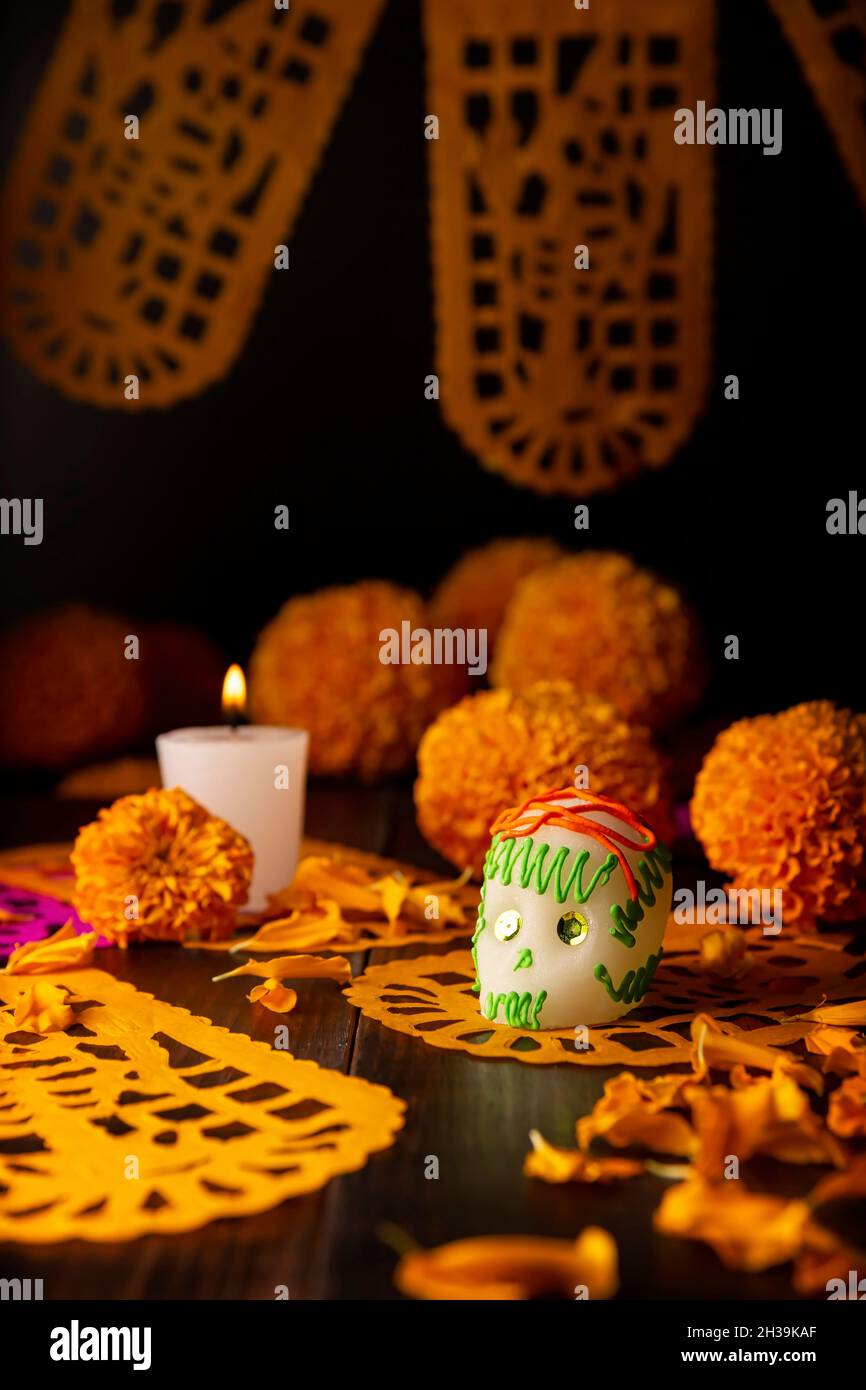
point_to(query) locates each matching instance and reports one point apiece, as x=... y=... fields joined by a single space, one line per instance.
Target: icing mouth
x=518 y=1010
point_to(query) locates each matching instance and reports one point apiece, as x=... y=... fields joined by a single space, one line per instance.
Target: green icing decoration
x=520 y=1011
x=635 y=983
x=526 y=857
x=652 y=869
x=478 y=930
x=524 y=960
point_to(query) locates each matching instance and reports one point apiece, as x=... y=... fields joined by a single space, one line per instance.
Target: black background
x=170 y=513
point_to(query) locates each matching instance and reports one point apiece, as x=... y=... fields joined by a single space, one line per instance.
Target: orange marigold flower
x=475 y=592
x=495 y=749
x=613 y=629
x=780 y=802
x=67 y=693
x=317 y=666
x=186 y=871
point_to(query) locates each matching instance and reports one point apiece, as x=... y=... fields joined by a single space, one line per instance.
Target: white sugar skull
x=574 y=903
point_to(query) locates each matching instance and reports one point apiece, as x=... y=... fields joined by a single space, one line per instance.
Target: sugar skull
x=574 y=903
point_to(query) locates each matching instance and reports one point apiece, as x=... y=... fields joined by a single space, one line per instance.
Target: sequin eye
x=572 y=928
x=508 y=924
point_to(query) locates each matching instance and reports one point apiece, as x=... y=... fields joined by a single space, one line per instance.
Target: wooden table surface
x=473 y=1115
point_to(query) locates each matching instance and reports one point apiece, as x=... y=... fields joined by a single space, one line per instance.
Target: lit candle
x=251 y=775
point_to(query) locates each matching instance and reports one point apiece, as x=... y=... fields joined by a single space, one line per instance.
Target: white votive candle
x=254 y=777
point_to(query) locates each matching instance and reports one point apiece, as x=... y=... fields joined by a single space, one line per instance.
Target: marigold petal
x=747 y=1231
x=512 y=1267
x=551 y=1164
x=66 y=949
x=298 y=967
x=274 y=996
x=43 y=1008
x=847 y=1112
x=635 y=1112
x=717 y=1047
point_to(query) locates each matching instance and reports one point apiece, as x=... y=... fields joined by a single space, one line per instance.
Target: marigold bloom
x=495 y=749
x=613 y=629
x=67 y=693
x=317 y=666
x=476 y=590
x=187 y=871
x=780 y=802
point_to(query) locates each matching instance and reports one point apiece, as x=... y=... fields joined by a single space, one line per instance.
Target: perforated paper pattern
x=556 y=130
x=149 y=256
x=431 y=998
x=829 y=39
x=141 y=1118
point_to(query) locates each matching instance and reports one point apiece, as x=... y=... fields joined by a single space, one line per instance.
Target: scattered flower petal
x=814 y=1269
x=852 y=1015
x=301 y=930
x=512 y=1267
x=294 y=968
x=842 y=1049
x=771 y=1116
x=43 y=1008
x=67 y=949
x=847 y=1113
x=747 y=1231
x=274 y=996
x=839 y=1186
x=633 y=1112
x=572 y=1165
x=716 y=1048
x=723 y=953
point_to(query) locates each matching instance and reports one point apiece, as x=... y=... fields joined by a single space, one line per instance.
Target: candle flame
x=234 y=693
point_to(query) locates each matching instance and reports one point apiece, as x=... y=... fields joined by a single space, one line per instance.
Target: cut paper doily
x=829 y=39
x=149 y=256
x=431 y=998
x=141 y=1118
x=556 y=130
x=44 y=870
